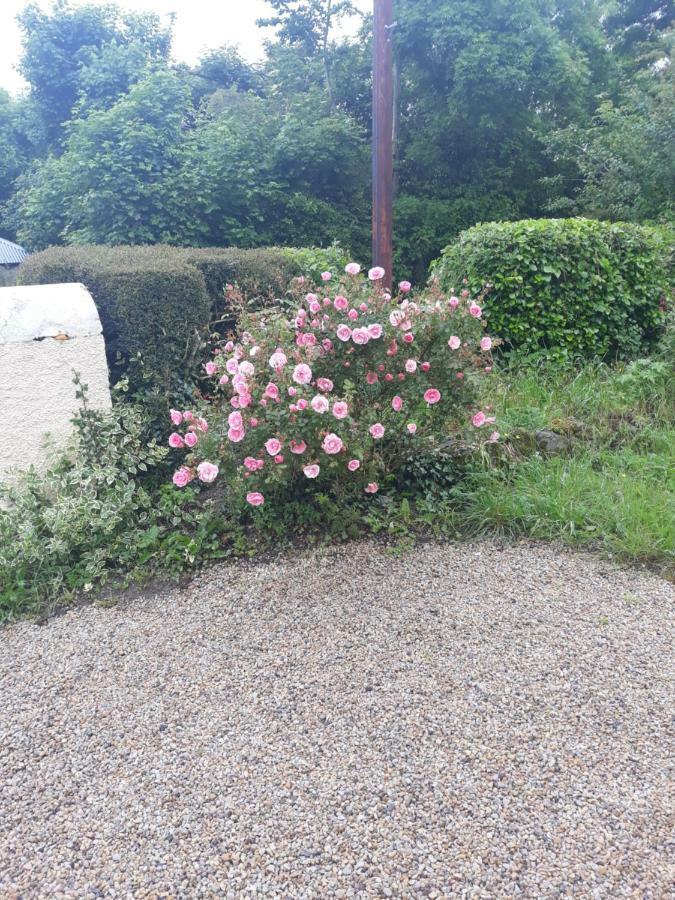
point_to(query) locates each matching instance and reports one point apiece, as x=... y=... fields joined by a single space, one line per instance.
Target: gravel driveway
x=458 y=721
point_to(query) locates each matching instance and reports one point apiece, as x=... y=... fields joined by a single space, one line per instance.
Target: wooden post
x=383 y=144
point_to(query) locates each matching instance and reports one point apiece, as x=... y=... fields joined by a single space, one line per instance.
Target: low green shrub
x=101 y=512
x=566 y=288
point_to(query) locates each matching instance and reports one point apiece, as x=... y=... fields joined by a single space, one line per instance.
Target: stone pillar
x=47 y=332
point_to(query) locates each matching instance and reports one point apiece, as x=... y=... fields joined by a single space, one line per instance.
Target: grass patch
x=616 y=488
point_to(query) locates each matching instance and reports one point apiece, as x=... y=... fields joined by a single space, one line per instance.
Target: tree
x=224 y=68
x=482 y=83
x=638 y=29
x=624 y=163
x=123 y=177
x=60 y=47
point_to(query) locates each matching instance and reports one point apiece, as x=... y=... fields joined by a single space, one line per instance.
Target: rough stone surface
x=460 y=721
x=47 y=332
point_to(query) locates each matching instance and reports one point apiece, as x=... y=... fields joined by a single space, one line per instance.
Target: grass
x=614 y=490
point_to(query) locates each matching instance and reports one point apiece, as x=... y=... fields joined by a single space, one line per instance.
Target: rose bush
x=335 y=396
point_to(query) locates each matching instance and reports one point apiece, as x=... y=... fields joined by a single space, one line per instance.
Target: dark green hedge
x=567 y=287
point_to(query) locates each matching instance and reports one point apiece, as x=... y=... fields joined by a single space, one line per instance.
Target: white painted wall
x=46 y=333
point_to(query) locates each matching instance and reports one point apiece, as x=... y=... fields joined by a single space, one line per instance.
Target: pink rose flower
x=176 y=417
x=292 y=391
x=324 y=384
x=454 y=343
x=340 y=303
x=397 y=403
x=253 y=423
x=425 y=366
x=327 y=344
x=191 y=439
x=360 y=336
x=479 y=419
x=312 y=471
x=202 y=425
x=234 y=420
x=352 y=268
x=376 y=273
x=229 y=347
x=175 y=440
x=404 y=286
x=278 y=459
x=302 y=374
x=353 y=465
x=319 y=404
x=353 y=315
x=340 y=409
x=207 y=472
x=255 y=498
x=388 y=377
x=332 y=444
x=376 y=430
x=224 y=379
x=453 y=302
x=326 y=301
x=326 y=276
x=375 y=330
x=372 y=377
x=182 y=477
x=343 y=332
x=272 y=391
x=412 y=428
x=232 y=366
x=211 y=368
x=409 y=337
x=302 y=404
x=314 y=306
x=236 y=435
x=363 y=306
x=251 y=463
x=485 y=343
x=411 y=366
x=432 y=396
x=273 y=446
x=372 y=488
x=475 y=310
x=298 y=448
x=310 y=298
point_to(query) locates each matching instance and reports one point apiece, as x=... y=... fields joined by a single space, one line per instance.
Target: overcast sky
x=200 y=24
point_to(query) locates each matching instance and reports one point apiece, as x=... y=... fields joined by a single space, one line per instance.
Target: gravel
x=457 y=721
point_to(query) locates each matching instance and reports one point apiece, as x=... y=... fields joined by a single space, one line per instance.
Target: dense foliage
x=567 y=287
x=504 y=111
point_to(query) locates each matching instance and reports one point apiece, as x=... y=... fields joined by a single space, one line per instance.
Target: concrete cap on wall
x=35 y=311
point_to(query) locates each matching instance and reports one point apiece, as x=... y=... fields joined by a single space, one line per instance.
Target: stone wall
x=47 y=332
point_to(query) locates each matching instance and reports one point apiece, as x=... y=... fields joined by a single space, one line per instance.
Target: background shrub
x=569 y=287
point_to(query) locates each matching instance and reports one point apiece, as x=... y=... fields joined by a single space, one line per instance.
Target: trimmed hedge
x=565 y=287
x=154 y=300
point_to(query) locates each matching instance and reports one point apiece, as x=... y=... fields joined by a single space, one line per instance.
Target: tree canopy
x=504 y=110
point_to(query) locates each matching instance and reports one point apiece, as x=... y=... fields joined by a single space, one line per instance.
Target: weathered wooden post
x=383 y=143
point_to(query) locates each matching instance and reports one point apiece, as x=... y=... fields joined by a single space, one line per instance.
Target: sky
x=200 y=25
